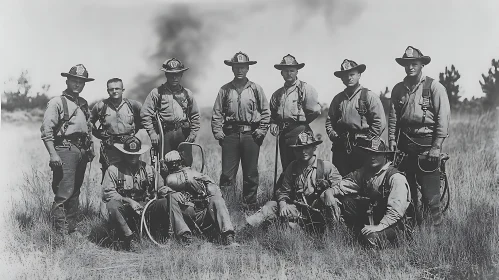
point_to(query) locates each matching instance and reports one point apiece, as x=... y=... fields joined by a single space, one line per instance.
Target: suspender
x=426 y=96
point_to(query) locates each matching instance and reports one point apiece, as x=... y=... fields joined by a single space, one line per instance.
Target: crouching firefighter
x=303 y=197
x=127 y=187
x=118 y=119
x=375 y=199
x=199 y=206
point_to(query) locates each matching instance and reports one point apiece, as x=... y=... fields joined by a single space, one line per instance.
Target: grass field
x=465 y=246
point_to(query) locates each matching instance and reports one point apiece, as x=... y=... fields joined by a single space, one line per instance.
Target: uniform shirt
x=410 y=118
x=358 y=182
x=118 y=120
x=191 y=181
x=170 y=111
x=344 y=116
x=245 y=107
x=284 y=104
x=302 y=179
x=111 y=177
x=54 y=114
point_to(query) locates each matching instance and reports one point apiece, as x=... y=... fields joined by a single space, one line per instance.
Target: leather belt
x=284 y=125
x=168 y=126
x=238 y=127
x=77 y=139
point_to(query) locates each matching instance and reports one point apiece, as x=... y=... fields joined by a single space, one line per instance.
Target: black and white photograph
x=249 y=139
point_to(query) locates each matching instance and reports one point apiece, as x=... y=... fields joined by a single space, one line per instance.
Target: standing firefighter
x=177 y=109
x=119 y=118
x=304 y=195
x=292 y=107
x=199 y=207
x=66 y=132
x=376 y=198
x=240 y=121
x=418 y=124
x=127 y=186
x=354 y=113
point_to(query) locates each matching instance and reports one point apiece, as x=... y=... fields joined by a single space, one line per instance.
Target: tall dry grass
x=465 y=246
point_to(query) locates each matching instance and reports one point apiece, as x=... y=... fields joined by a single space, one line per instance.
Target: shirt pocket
x=126 y=118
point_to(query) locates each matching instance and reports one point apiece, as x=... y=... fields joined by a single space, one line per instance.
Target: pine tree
x=490 y=86
x=449 y=80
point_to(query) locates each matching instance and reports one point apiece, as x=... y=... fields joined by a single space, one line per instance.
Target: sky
x=120 y=39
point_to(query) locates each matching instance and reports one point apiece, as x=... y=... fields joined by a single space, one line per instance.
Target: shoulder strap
x=299 y=87
x=161 y=92
x=320 y=170
x=129 y=104
x=65 y=108
x=385 y=186
x=121 y=179
x=363 y=105
x=102 y=113
x=425 y=105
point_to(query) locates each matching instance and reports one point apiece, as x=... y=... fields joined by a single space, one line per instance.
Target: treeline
x=449 y=79
x=22 y=98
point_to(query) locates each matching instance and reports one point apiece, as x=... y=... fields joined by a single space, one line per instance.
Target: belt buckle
x=241 y=128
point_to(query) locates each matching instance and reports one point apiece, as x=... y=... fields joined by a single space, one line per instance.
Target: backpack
x=137 y=195
x=225 y=98
x=382 y=199
x=425 y=105
x=186 y=106
x=103 y=110
x=66 y=118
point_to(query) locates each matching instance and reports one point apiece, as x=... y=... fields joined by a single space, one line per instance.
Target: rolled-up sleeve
x=311 y=105
x=264 y=109
x=376 y=115
x=109 y=185
x=331 y=119
x=392 y=117
x=284 y=191
x=333 y=175
x=51 y=118
x=442 y=110
x=147 y=111
x=217 y=116
x=195 y=123
x=398 y=200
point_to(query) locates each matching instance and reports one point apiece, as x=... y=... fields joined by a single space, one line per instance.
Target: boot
x=186 y=238
x=131 y=243
x=228 y=239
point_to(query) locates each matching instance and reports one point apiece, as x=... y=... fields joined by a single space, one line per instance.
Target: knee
x=225 y=180
x=349 y=205
x=372 y=239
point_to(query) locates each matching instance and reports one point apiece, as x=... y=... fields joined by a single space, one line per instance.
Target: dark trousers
x=209 y=219
x=66 y=184
x=173 y=138
x=241 y=147
x=429 y=181
x=125 y=220
x=346 y=162
x=355 y=209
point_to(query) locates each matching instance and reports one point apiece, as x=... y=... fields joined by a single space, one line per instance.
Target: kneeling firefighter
x=203 y=209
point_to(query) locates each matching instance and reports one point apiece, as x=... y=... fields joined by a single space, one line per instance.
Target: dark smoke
x=188 y=32
x=185 y=34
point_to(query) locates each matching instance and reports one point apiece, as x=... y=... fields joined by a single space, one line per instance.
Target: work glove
x=55 y=161
x=259 y=135
x=333 y=136
x=434 y=154
x=154 y=138
x=163 y=169
x=392 y=145
x=368 y=229
x=274 y=129
x=191 y=138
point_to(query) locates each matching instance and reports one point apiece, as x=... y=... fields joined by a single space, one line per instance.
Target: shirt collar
x=181 y=88
x=355 y=92
x=233 y=84
x=70 y=96
x=383 y=169
x=421 y=80
x=293 y=84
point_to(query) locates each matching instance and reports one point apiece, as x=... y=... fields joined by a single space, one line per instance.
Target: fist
x=392 y=145
x=190 y=138
x=154 y=139
x=274 y=129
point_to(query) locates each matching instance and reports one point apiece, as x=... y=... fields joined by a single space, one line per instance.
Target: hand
x=434 y=154
x=163 y=169
x=368 y=229
x=135 y=205
x=90 y=154
x=154 y=139
x=284 y=210
x=323 y=184
x=392 y=145
x=330 y=199
x=274 y=129
x=259 y=135
x=190 y=138
x=333 y=136
x=55 y=161
x=219 y=136
x=164 y=191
